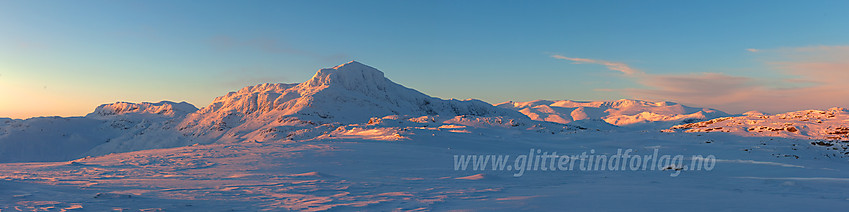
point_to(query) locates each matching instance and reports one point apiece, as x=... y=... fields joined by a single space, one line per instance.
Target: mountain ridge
x=351 y=100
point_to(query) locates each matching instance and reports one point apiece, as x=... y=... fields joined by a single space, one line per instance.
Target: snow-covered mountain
x=346 y=94
x=621 y=112
x=350 y=100
x=831 y=124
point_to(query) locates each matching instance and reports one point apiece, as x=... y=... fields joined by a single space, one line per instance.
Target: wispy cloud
x=616 y=66
x=798 y=78
x=753 y=50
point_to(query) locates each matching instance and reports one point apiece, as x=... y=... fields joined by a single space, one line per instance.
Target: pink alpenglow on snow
x=350 y=139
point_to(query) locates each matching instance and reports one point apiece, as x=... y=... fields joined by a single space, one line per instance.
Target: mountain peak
x=350 y=76
x=347 y=93
x=350 y=64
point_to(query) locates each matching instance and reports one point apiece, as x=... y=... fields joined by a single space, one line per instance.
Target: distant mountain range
x=356 y=100
x=347 y=94
x=623 y=112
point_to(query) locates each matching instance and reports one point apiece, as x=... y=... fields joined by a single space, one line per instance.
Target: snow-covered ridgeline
x=622 y=112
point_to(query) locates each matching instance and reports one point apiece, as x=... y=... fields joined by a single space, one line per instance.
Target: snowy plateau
x=350 y=139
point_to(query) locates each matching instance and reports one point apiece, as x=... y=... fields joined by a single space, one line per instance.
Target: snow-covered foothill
x=114 y=127
x=831 y=124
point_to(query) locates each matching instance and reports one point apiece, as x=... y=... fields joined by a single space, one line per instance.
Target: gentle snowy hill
x=116 y=127
x=831 y=124
x=142 y=126
x=622 y=112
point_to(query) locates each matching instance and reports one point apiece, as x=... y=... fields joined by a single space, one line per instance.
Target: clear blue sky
x=67 y=57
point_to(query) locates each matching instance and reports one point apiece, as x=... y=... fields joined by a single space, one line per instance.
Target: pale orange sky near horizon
x=817 y=81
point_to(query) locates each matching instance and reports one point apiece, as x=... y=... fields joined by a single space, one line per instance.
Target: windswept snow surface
x=623 y=112
x=349 y=139
x=418 y=174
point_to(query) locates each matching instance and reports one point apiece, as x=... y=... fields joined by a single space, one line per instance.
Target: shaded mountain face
x=622 y=112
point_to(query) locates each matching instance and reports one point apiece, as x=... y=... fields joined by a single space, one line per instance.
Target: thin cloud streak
x=616 y=66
